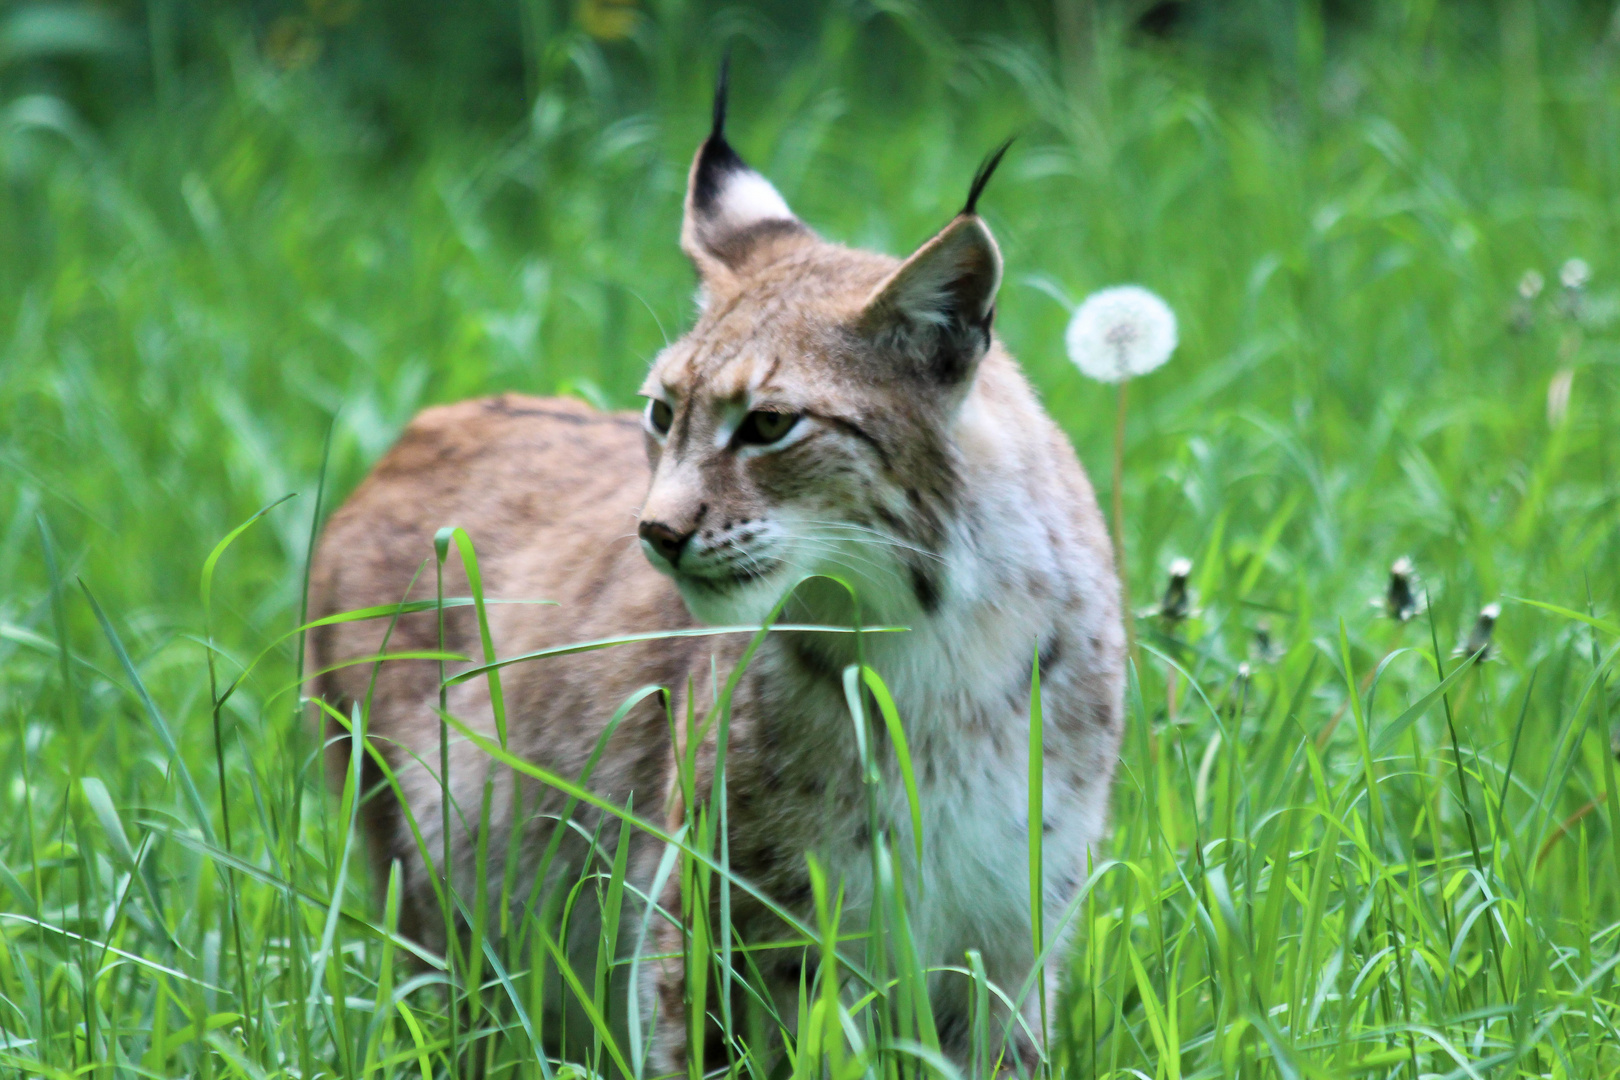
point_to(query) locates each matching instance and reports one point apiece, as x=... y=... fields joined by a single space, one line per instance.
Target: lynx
x=832 y=414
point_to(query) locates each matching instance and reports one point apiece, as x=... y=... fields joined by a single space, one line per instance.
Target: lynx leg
x=664 y=994
x=1030 y=1045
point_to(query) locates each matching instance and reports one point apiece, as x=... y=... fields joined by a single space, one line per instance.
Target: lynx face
x=801 y=427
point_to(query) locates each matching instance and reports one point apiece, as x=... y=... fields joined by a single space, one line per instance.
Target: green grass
x=1319 y=866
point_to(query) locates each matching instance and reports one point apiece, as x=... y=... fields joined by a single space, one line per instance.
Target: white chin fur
x=877 y=581
x=747 y=603
x=820 y=602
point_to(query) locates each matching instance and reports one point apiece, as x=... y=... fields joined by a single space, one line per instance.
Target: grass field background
x=215 y=259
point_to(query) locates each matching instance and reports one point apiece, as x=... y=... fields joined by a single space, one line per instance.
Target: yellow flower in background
x=295 y=41
x=292 y=43
x=608 y=20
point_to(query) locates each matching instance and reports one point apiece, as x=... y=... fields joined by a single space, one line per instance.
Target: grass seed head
x=1121 y=333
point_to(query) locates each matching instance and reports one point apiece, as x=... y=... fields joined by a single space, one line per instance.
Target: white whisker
x=840 y=555
x=868 y=535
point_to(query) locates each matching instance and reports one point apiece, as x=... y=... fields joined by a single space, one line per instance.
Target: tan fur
x=923 y=472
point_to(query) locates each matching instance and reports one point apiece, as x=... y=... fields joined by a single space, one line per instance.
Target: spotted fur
x=918 y=467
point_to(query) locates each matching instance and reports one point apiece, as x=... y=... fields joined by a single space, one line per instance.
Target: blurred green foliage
x=421 y=205
x=226 y=230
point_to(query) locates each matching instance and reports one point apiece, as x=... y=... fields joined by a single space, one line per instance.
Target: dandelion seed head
x=1479 y=638
x=1531 y=284
x=1121 y=333
x=1264 y=650
x=1575 y=274
x=1400 y=599
x=1177 y=605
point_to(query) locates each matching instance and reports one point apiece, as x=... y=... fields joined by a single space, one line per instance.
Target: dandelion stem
x=1119 y=518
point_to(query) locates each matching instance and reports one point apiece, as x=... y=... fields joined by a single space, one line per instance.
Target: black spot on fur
x=850 y=427
x=925 y=588
x=952 y=1027
x=796 y=893
x=812 y=660
x=889 y=519
x=759 y=862
x=1050 y=654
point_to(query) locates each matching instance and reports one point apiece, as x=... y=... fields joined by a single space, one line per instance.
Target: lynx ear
x=734 y=217
x=936 y=309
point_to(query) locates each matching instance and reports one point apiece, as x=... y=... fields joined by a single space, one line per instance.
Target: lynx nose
x=664 y=540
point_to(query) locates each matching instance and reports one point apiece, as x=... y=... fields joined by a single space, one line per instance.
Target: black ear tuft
x=716 y=159
x=981 y=177
x=733 y=215
x=722 y=86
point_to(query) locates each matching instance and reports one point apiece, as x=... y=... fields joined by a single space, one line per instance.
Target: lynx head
x=804 y=426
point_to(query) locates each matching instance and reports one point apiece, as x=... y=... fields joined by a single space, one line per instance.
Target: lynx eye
x=760 y=428
x=659 y=416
